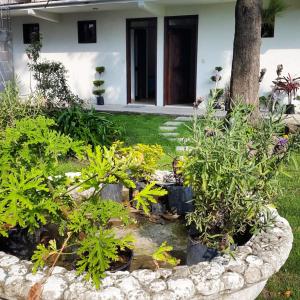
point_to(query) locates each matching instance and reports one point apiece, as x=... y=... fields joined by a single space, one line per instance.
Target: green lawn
x=144 y=129
x=288 y=278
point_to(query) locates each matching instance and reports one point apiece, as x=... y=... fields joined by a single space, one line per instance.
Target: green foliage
x=50 y=77
x=146 y=160
x=275 y=8
x=100 y=70
x=98 y=83
x=90 y=236
x=97 y=251
x=29 y=152
x=146 y=196
x=13 y=108
x=33 y=142
x=233 y=168
x=88 y=126
x=98 y=92
x=162 y=254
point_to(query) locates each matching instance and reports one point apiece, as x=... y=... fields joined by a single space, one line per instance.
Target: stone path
x=169 y=130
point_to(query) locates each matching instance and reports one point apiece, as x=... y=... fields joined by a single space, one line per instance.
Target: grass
x=138 y=128
x=286 y=283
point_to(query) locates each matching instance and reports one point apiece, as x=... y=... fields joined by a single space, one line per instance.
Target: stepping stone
x=183 y=119
x=169 y=134
x=179 y=140
x=182 y=148
x=170 y=123
x=167 y=128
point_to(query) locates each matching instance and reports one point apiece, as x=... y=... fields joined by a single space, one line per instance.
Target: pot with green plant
x=180 y=196
x=98 y=91
x=216 y=93
x=233 y=174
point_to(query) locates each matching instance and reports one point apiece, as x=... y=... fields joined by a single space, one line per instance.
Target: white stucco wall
x=215 y=40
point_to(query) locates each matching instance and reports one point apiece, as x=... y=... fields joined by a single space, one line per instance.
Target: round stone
x=75 y=291
x=254 y=261
x=145 y=276
x=18 y=269
x=157 y=286
x=252 y=275
x=54 y=288
x=164 y=273
x=209 y=287
x=59 y=270
x=111 y=293
x=232 y=281
x=182 y=287
x=128 y=284
x=164 y=295
x=8 y=260
x=15 y=287
x=138 y=295
x=2 y=276
x=236 y=265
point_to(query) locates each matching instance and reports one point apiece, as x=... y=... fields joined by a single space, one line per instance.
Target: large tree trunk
x=246 y=51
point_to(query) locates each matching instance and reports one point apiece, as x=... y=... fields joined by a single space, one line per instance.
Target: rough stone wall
x=224 y=278
x=6 y=60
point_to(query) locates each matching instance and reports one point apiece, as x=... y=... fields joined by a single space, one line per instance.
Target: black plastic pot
x=290 y=109
x=180 y=198
x=197 y=252
x=126 y=266
x=112 y=192
x=100 y=100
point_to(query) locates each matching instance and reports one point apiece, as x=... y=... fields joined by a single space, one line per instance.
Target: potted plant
x=216 y=93
x=180 y=197
x=288 y=87
x=98 y=91
x=232 y=168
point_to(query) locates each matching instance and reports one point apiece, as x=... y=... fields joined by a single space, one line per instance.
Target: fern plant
x=90 y=237
x=29 y=152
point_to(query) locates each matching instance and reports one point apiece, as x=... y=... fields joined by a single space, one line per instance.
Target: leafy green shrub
x=89 y=235
x=50 y=77
x=88 y=126
x=233 y=170
x=29 y=152
x=13 y=108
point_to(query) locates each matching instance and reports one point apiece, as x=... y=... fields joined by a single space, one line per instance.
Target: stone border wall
x=223 y=278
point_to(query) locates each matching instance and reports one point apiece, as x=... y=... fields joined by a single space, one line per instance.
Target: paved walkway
x=152 y=109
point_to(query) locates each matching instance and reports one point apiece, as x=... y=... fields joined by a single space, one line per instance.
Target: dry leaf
x=287 y=294
x=35 y=292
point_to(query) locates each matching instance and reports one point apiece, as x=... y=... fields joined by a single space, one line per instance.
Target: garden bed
x=242 y=277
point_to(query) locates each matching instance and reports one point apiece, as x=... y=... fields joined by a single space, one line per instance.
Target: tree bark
x=246 y=52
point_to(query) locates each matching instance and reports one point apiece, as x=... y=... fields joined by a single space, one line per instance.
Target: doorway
x=141 y=60
x=181 y=38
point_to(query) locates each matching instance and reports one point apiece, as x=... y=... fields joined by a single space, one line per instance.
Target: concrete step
x=182 y=148
x=173 y=123
x=169 y=134
x=179 y=139
x=183 y=119
x=167 y=128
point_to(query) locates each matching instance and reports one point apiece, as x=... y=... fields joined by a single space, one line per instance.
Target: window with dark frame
x=268 y=29
x=31 y=32
x=87 y=32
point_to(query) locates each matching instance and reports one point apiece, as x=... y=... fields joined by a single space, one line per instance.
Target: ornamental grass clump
x=233 y=168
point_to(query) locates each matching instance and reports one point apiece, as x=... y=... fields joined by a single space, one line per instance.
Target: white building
x=155 y=51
